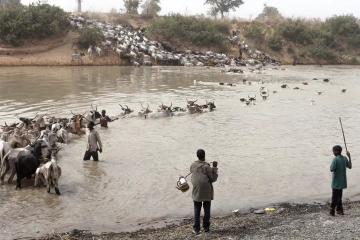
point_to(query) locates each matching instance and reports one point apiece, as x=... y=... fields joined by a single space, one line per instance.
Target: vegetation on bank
x=194 y=30
x=36 y=21
x=334 y=40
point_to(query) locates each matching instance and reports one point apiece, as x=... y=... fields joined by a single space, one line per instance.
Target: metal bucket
x=182 y=185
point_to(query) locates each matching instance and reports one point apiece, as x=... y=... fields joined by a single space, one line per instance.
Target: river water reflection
x=276 y=151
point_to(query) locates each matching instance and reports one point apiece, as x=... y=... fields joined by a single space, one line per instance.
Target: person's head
x=103 y=112
x=337 y=150
x=91 y=125
x=200 y=154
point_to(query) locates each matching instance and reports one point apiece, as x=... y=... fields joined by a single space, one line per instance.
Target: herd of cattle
x=131 y=45
x=30 y=146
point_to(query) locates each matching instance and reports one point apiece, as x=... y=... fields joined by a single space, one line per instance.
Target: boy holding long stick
x=338 y=169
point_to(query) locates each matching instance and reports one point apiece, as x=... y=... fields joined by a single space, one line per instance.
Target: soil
x=287 y=221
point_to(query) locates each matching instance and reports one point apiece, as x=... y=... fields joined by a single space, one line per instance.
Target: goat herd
x=131 y=45
x=30 y=146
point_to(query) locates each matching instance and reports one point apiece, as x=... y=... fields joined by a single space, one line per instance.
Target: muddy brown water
x=278 y=150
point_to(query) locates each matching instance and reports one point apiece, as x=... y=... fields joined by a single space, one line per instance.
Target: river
x=278 y=150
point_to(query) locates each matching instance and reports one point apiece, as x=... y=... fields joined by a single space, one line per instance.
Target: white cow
x=49 y=173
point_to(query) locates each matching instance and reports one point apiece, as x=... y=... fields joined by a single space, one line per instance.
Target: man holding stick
x=338 y=169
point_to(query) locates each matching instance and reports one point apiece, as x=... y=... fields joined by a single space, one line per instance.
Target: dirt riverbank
x=288 y=221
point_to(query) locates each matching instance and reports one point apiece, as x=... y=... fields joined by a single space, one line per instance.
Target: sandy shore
x=287 y=221
x=56 y=51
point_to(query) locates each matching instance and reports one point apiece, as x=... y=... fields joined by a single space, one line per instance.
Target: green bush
x=36 y=21
x=354 y=41
x=344 y=25
x=196 y=30
x=254 y=31
x=90 y=36
x=322 y=52
x=275 y=42
x=296 y=32
x=352 y=61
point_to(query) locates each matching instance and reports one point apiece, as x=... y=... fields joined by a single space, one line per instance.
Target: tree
x=79 y=5
x=268 y=13
x=151 y=7
x=4 y=4
x=131 y=6
x=224 y=6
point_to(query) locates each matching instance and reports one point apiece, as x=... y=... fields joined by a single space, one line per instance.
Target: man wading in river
x=338 y=169
x=93 y=143
x=203 y=192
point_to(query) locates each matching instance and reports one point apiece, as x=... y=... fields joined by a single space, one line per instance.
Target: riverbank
x=287 y=221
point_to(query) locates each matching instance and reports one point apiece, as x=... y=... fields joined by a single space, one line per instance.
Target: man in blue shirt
x=338 y=169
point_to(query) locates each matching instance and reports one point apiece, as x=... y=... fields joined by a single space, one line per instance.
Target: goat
x=77 y=56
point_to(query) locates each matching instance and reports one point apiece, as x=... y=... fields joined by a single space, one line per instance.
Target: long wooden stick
x=343 y=133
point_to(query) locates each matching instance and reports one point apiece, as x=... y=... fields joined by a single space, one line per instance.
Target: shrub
x=196 y=30
x=322 y=52
x=275 y=42
x=296 y=32
x=354 y=41
x=344 y=25
x=90 y=36
x=352 y=61
x=36 y=21
x=254 y=31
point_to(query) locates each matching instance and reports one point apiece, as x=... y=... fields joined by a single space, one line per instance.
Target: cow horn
x=72 y=113
x=170 y=105
x=83 y=113
x=147 y=106
x=6 y=124
x=187 y=100
x=142 y=105
x=121 y=106
x=126 y=107
x=195 y=100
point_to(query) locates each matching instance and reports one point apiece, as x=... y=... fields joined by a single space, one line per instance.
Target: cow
x=252 y=98
x=126 y=110
x=78 y=124
x=165 y=109
x=319 y=93
x=26 y=165
x=11 y=157
x=77 y=56
x=190 y=103
x=63 y=135
x=144 y=111
x=49 y=173
x=211 y=105
x=264 y=95
x=93 y=115
x=284 y=86
x=27 y=121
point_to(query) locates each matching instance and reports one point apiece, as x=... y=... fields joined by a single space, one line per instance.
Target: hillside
x=257 y=34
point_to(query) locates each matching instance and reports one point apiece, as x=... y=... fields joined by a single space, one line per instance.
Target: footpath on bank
x=287 y=221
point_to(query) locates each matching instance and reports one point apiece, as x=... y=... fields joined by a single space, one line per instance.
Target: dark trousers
x=197 y=211
x=88 y=154
x=336 y=201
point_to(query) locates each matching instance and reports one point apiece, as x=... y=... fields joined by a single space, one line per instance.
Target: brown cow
x=77 y=124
